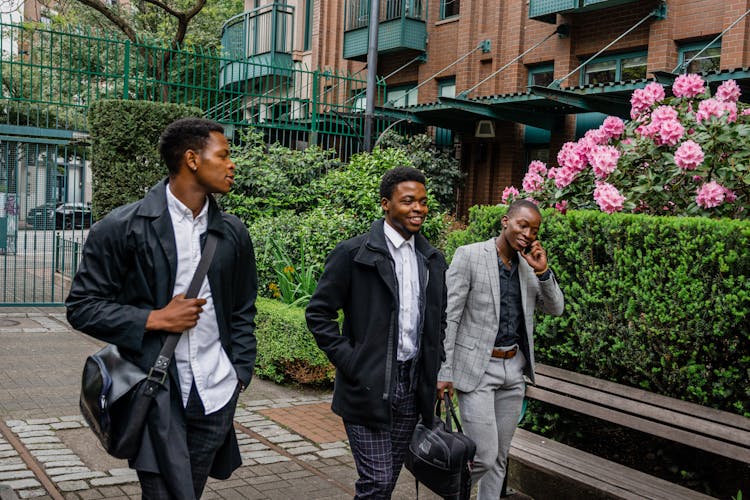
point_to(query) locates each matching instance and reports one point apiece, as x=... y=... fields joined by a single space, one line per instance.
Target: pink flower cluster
x=643 y=99
x=532 y=182
x=608 y=198
x=688 y=85
x=715 y=108
x=508 y=194
x=604 y=160
x=728 y=91
x=710 y=195
x=689 y=155
x=613 y=127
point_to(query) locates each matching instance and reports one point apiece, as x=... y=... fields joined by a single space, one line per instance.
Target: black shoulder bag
x=116 y=394
x=440 y=458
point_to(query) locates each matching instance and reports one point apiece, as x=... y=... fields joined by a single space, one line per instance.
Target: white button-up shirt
x=404 y=256
x=199 y=355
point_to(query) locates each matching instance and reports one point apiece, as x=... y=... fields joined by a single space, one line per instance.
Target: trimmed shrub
x=286 y=348
x=661 y=303
x=125 y=160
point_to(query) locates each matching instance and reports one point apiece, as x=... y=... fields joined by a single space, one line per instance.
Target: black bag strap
x=450 y=413
x=157 y=375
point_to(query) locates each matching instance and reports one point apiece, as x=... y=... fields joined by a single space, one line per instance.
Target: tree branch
x=118 y=21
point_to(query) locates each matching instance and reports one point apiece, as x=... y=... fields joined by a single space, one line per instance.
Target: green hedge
x=286 y=349
x=661 y=303
x=125 y=159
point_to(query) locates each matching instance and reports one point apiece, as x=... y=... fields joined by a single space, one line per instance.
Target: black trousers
x=205 y=435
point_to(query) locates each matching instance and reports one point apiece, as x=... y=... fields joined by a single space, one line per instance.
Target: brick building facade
x=465 y=41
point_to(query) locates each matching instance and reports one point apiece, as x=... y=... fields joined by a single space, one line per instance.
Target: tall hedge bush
x=125 y=159
x=661 y=303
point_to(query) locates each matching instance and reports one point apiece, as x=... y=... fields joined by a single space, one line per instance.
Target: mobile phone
x=527 y=248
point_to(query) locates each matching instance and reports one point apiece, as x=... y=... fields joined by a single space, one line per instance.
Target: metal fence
x=48 y=80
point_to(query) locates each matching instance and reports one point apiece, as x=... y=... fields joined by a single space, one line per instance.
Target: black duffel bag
x=111 y=388
x=440 y=458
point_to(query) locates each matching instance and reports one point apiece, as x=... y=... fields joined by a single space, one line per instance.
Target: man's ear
x=191 y=159
x=384 y=204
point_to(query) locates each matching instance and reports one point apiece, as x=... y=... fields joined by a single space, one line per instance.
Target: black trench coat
x=128 y=269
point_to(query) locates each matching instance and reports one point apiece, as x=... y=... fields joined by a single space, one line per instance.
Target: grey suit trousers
x=490 y=415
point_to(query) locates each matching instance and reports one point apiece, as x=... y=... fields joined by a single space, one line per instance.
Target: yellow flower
x=288 y=270
x=275 y=290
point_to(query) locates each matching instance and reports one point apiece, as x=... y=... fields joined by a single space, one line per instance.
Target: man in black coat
x=390 y=284
x=129 y=291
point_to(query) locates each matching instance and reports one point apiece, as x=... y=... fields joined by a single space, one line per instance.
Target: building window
x=708 y=60
x=402 y=95
x=614 y=69
x=541 y=75
x=449 y=8
x=308 y=24
x=358 y=99
x=447 y=87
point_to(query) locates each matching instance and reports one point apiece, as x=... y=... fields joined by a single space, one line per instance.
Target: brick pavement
x=291 y=444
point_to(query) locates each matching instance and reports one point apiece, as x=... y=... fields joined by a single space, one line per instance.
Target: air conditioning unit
x=485 y=129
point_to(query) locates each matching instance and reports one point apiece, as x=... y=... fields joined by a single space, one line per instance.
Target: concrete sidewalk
x=292 y=445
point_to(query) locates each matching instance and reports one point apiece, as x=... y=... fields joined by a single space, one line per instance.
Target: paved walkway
x=292 y=446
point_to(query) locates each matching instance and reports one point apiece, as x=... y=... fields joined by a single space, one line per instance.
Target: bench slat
x=681 y=436
x=616 y=479
x=712 y=430
x=686 y=407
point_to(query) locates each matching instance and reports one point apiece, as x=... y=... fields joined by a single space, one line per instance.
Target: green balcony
x=257 y=44
x=546 y=10
x=402 y=27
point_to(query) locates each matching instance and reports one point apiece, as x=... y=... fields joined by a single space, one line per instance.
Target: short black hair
x=184 y=134
x=519 y=204
x=396 y=176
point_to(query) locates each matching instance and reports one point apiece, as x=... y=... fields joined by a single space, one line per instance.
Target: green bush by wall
x=661 y=303
x=125 y=160
x=286 y=348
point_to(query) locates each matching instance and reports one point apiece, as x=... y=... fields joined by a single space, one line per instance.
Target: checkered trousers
x=379 y=454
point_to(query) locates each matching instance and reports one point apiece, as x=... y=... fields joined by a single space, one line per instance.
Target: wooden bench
x=579 y=475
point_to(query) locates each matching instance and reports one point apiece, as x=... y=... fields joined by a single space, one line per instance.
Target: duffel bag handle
x=450 y=413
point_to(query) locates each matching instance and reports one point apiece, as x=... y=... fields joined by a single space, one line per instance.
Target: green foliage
x=273 y=179
x=295 y=282
x=288 y=197
x=441 y=167
x=125 y=159
x=661 y=303
x=286 y=348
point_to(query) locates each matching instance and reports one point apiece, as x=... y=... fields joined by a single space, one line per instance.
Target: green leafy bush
x=286 y=348
x=125 y=160
x=661 y=303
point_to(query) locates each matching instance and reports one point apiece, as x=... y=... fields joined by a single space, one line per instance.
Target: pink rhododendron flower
x=538 y=167
x=572 y=156
x=729 y=195
x=649 y=130
x=597 y=136
x=564 y=176
x=532 y=200
x=562 y=206
x=604 y=160
x=710 y=195
x=532 y=182
x=689 y=155
x=608 y=198
x=613 y=127
x=728 y=91
x=508 y=192
x=746 y=111
x=643 y=99
x=688 y=85
x=551 y=173
x=708 y=108
x=730 y=108
x=663 y=114
x=670 y=132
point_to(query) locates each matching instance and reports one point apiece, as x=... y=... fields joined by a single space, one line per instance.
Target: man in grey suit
x=493 y=289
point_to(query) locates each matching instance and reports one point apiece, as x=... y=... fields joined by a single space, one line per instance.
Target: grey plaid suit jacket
x=473 y=312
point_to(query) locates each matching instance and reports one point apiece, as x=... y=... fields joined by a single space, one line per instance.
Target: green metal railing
x=50 y=77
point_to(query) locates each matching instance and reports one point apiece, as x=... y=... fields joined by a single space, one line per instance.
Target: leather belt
x=499 y=353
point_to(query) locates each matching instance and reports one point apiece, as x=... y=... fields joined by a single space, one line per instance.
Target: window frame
x=405 y=88
x=442 y=9
x=618 y=60
x=696 y=46
x=445 y=83
x=540 y=68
